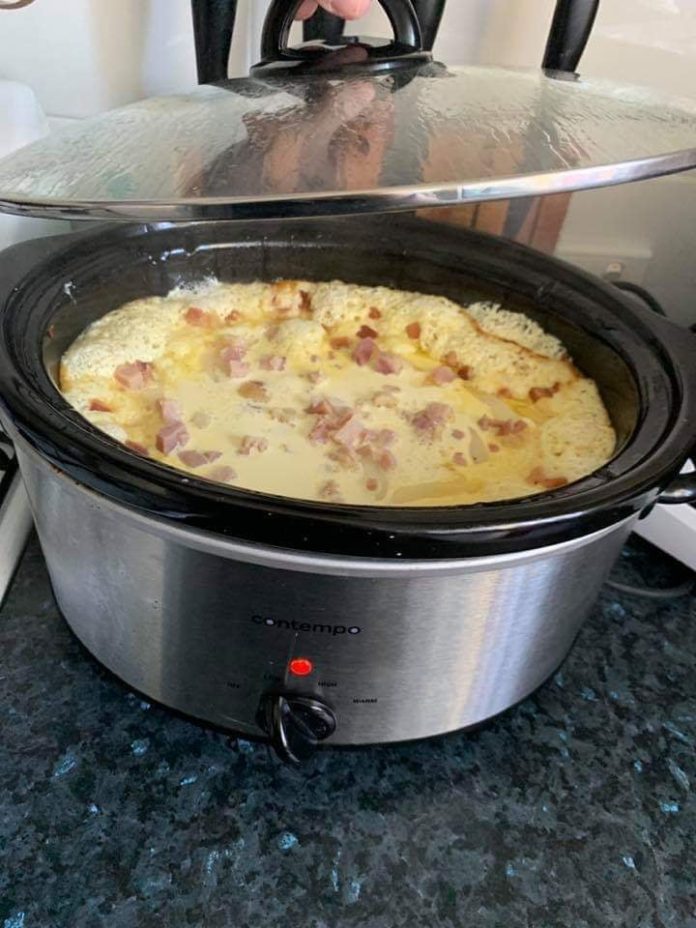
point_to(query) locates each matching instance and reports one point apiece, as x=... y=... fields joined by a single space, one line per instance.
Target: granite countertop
x=574 y=809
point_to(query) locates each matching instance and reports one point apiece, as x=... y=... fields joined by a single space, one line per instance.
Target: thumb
x=346 y=9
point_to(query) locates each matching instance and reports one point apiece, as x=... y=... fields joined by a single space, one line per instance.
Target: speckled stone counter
x=574 y=809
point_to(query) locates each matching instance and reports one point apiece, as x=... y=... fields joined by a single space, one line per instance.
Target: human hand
x=346 y=9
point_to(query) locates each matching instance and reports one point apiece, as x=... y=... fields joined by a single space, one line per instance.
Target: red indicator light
x=300 y=666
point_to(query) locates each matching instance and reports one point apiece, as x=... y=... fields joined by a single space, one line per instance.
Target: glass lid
x=366 y=127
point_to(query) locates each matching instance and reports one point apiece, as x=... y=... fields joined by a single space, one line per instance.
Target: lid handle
x=281 y=14
x=570 y=30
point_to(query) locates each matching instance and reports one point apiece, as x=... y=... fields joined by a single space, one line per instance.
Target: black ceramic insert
x=644 y=366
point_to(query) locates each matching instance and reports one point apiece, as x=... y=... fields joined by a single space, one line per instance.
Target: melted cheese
x=516 y=418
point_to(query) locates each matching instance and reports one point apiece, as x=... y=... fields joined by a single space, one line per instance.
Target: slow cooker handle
x=681 y=345
x=213 y=26
x=406 y=46
x=682 y=490
x=570 y=30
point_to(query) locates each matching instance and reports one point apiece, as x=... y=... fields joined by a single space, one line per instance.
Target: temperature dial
x=296 y=725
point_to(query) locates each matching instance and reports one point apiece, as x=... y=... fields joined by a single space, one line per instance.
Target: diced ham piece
x=374 y=313
x=330 y=491
x=342 y=456
x=539 y=393
x=459 y=459
x=502 y=427
x=172 y=436
x=237 y=369
x=233 y=316
x=340 y=341
x=386 y=460
x=201 y=420
x=222 y=474
x=137 y=448
x=387 y=363
x=350 y=434
x=413 y=330
x=211 y=456
x=458 y=434
x=170 y=410
x=539 y=478
x=99 y=406
x=465 y=373
x=451 y=359
x=441 y=375
x=234 y=350
x=385 y=437
x=322 y=407
x=493 y=447
x=251 y=444
x=192 y=458
x=254 y=390
x=320 y=432
x=364 y=351
x=366 y=331
x=504 y=392
x=134 y=376
x=432 y=417
x=199 y=317
x=372 y=484
x=272 y=362
x=332 y=418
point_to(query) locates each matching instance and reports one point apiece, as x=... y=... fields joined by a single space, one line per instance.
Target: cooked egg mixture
x=341 y=393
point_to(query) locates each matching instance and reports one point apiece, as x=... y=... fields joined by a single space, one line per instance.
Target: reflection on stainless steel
x=256 y=147
x=401 y=650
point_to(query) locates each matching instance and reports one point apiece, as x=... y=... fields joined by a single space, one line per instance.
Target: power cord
x=642 y=294
x=673 y=592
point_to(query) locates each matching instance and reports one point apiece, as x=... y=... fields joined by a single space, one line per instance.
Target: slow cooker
x=306 y=622
x=303 y=623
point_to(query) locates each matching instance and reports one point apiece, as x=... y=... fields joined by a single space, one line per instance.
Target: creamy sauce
x=340 y=393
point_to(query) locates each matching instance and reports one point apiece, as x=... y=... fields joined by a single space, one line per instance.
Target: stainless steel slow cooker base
x=399 y=650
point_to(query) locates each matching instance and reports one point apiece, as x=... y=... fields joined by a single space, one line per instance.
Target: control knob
x=296 y=725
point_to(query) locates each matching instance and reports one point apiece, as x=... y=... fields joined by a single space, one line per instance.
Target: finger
x=347 y=9
x=308 y=8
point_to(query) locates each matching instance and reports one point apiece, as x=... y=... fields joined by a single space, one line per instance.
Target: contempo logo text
x=313 y=628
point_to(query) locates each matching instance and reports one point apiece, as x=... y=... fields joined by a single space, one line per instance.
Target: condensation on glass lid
x=275 y=147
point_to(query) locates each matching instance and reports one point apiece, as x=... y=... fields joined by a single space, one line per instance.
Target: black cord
x=642 y=294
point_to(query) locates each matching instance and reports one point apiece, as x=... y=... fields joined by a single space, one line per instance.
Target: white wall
x=649 y=227
x=83 y=56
